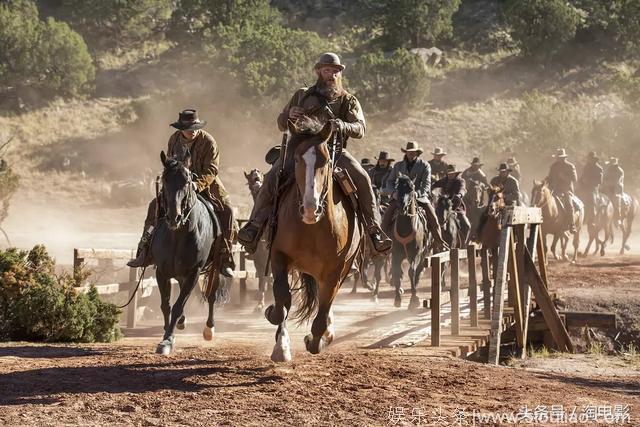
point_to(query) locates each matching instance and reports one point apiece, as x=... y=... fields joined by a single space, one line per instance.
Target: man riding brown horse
x=562 y=178
x=475 y=173
x=204 y=165
x=508 y=185
x=325 y=102
x=420 y=173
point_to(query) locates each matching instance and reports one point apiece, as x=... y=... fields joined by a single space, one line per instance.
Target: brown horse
x=602 y=222
x=555 y=221
x=489 y=225
x=318 y=235
x=261 y=255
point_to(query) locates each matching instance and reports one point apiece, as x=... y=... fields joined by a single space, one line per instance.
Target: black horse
x=476 y=201
x=410 y=240
x=182 y=247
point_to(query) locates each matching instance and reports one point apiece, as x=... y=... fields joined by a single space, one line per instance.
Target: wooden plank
x=551 y=315
x=532 y=242
x=513 y=215
x=519 y=232
x=498 y=296
x=132 y=309
x=436 y=269
x=455 y=292
x=580 y=319
x=441 y=256
x=542 y=258
x=119 y=254
x=473 y=286
x=486 y=283
x=514 y=289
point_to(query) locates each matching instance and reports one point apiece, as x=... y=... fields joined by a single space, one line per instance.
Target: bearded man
x=326 y=102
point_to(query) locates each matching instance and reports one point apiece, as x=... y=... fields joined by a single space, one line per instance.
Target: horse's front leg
x=322 y=330
x=379 y=264
x=396 y=276
x=214 y=284
x=277 y=313
x=414 y=274
x=164 y=286
x=553 y=247
x=186 y=286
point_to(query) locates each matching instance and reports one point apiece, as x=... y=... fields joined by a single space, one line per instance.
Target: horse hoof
x=282 y=349
x=313 y=346
x=274 y=316
x=601 y=252
x=627 y=247
x=181 y=321
x=208 y=332
x=259 y=308
x=414 y=303
x=400 y=291
x=165 y=347
x=374 y=299
x=180 y=326
x=353 y=291
x=397 y=302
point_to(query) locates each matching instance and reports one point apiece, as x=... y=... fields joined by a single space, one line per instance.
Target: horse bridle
x=188 y=202
x=323 y=195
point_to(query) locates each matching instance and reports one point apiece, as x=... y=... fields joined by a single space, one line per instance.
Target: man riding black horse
x=420 y=173
x=204 y=163
x=453 y=187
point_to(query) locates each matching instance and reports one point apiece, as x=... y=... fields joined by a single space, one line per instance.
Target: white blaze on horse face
x=311 y=198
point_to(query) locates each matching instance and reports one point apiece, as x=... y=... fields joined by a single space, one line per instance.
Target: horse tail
x=308 y=299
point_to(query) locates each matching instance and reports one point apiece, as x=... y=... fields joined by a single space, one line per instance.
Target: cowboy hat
x=512 y=161
x=365 y=161
x=439 y=152
x=188 y=120
x=476 y=162
x=504 y=167
x=412 y=146
x=452 y=169
x=384 y=156
x=560 y=153
x=613 y=161
x=329 y=59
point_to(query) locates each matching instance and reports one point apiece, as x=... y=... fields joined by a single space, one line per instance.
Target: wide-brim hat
x=384 y=156
x=365 y=161
x=412 y=147
x=188 y=120
x=452 y=169
x=438 y=152
x=504 y=167
x=613 y=161
x=476 y=162
x=560 y=153
x=329 y=59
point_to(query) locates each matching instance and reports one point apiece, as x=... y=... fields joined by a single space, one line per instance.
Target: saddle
x=577 y=203
x=212 y=214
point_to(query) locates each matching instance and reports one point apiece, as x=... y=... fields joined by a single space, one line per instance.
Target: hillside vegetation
x=87 y=88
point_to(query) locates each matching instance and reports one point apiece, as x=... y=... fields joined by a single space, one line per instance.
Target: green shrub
x=37 y=305
x=407 y=23
x=541 y=27
x=389 y=83
x=46 y=56
x=110 y=23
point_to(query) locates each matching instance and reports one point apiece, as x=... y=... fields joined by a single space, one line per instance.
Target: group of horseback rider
x=327 y=102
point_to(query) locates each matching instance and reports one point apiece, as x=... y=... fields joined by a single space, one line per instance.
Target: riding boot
x=227 y=264
x=570 y=214
x=143 y=255
x=366 y=201
x=249 y=235
x=434 y=228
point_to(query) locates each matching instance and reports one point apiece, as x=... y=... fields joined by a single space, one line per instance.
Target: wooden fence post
x=132 y=309
x=436 y=269
x=498 y=296
x=486 y=283
x=473 y=285
x=455 y=292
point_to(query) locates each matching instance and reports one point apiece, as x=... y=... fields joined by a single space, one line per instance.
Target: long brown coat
x=205 y=162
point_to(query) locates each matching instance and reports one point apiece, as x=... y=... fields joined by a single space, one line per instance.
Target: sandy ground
x=379 y=371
